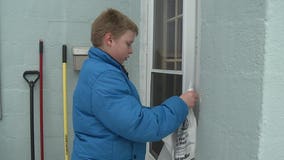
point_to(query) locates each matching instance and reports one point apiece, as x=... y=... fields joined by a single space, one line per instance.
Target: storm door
x=172 y=59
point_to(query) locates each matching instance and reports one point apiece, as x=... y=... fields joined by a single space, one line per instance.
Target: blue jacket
x=109 y=121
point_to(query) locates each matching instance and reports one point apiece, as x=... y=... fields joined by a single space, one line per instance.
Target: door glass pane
x=163 y=86
x=171 y=8
x=179 y=44
x=170 y=52
x=180 y=6
x=167 y=35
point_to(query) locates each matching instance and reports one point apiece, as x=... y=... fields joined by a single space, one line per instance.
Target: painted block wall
x=56 y=22
x=232 y=53
x=272 y=126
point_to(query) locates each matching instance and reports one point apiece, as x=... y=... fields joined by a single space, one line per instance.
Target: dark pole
x=32 y=120
x=31 y=77
x=41 y=98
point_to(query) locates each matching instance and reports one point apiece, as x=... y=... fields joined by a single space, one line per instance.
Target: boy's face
x=121 y=47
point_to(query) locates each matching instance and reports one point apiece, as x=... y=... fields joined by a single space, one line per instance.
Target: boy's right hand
x=190 y=98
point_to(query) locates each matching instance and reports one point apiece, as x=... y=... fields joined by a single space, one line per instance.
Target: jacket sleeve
x=122 y=113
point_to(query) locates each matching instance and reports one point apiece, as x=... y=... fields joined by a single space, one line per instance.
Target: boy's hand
x=190 y=98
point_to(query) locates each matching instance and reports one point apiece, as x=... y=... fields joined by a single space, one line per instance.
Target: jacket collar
x=95 y=52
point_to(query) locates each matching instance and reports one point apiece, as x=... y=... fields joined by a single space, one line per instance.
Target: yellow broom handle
x=65 y=113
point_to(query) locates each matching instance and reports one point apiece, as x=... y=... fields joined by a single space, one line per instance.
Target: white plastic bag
x=180 y=145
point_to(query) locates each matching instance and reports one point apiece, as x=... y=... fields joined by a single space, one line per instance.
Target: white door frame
x=189 y=51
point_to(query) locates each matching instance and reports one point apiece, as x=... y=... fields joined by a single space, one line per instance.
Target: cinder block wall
x=241 y=80
x=56 y=22
x=232 y=41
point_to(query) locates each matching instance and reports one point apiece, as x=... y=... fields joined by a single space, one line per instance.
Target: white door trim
x=189 y=43
x=146 y=47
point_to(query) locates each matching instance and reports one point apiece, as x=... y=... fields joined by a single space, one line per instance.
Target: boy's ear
x=108 y=39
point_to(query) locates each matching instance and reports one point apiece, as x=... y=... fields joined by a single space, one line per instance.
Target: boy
x=109 y=121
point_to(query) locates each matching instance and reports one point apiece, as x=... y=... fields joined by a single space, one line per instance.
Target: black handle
x=40 y=47
x=64 y=53
x=31 y=76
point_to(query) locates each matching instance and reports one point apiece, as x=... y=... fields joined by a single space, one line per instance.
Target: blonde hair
x=111 y=21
